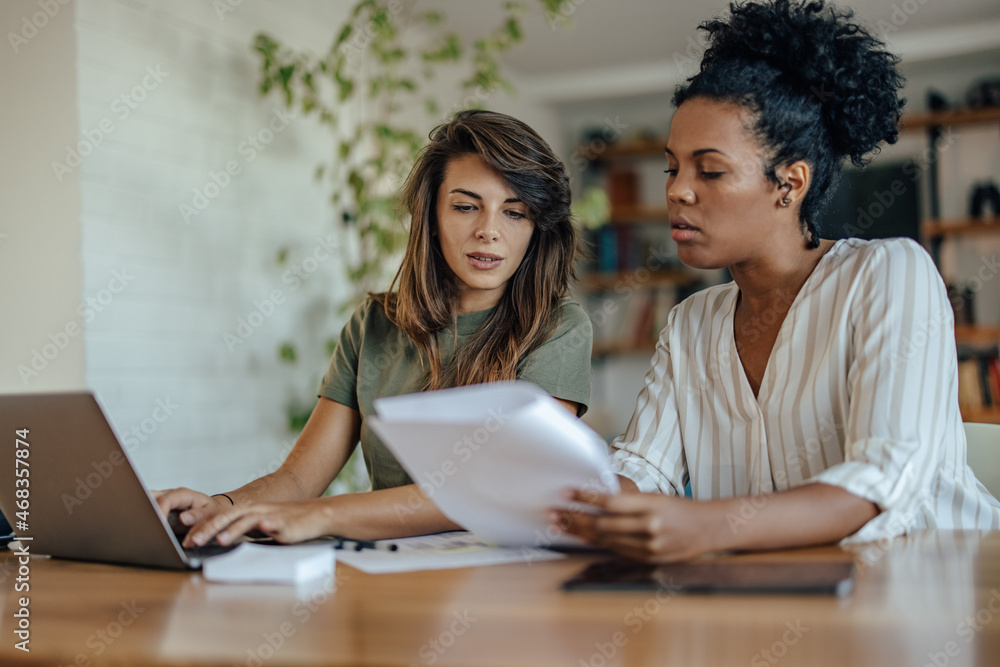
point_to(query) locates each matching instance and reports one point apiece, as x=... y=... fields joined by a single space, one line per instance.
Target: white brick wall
x=40 y=272
x=185 y=284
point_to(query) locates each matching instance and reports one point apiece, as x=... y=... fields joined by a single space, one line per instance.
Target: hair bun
x=818 y=50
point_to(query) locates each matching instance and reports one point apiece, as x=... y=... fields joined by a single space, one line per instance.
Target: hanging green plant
x=357 y=90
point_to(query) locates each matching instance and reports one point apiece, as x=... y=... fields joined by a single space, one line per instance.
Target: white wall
x=122 y=220
x=40 y=275
x=182 y=250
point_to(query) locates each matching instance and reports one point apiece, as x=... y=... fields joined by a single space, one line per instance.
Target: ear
x=795 y=179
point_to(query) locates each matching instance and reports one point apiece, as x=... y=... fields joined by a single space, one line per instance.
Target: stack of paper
x=274 y=564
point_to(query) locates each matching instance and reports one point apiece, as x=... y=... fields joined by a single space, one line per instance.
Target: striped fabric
x=860 y=392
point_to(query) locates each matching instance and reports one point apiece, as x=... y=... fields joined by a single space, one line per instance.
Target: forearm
x=811 y=514
x=277 y=487
x=399 y=512
x=321 y=451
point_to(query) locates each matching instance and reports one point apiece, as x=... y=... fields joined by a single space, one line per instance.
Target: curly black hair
x=821 y=86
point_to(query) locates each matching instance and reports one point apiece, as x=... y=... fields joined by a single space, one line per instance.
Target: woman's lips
x=681 y=230
x=484 y=260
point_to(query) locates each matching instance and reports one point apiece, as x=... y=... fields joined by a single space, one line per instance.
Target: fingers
x=640 y=526
x=599 y=500
x=285 y=522
x=273 y=522
x=622 y=503
x=655 y=549
x=178 y=499
x=596 y=528
x=197 y=515
x=580 y=524
x=203 y=531
x=252 y=519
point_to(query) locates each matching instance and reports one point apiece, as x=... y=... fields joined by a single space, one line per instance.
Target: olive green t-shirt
x=374 y=358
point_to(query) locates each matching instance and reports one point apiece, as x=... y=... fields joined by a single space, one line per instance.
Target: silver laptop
x=83 y=498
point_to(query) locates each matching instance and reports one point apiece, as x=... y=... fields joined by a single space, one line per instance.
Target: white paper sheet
x=440 y=552
x=494 y=457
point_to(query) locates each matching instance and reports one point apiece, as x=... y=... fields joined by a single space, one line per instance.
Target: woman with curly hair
x=814 y=398
x=480 y=296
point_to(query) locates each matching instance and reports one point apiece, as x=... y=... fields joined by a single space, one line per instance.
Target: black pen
x=364 y=544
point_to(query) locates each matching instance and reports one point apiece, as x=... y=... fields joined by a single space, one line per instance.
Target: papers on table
x=273 y=564
x=440 y=552
x=494 y=457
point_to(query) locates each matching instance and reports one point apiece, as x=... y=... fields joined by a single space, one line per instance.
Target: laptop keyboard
x=208 y=550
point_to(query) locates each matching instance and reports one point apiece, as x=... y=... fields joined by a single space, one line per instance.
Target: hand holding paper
x=495 y=457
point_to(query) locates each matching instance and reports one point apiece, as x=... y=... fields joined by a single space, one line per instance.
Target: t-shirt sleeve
x=340 y=383
x=901 y=385
x=561 y=365
x=650 y=452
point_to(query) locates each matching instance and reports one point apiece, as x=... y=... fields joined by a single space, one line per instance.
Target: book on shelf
x=630 y=319
x=624 y=248
x=606 y=251
x=962 y=304
x=978 y=378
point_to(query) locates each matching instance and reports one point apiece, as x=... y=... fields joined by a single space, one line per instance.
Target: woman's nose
x=679 y=192
x=487 y=230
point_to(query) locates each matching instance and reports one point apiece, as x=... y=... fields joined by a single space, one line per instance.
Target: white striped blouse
x=860 y=392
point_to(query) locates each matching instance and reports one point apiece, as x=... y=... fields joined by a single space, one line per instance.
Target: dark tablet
x=718 y=576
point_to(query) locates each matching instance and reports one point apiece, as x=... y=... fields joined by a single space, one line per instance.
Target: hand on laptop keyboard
x=174 y=521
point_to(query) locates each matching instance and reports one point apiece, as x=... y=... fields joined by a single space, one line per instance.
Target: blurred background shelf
x=981 y=415
x=922 y=121
x=624 y=215
x=960 y=226
x=637 y=279
x=649 y=147
x=977 y=334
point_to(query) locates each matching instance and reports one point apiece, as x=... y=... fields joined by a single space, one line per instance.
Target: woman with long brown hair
x=481 y=296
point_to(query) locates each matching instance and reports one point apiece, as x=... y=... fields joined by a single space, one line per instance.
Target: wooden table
x=929 y=599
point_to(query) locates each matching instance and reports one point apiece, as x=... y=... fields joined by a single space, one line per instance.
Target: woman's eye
x=464 y=208
x=710 y=175
x=517 y=215
x=670 y=172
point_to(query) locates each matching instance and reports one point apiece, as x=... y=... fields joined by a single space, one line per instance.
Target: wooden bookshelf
x=634 y=148
x=624 y=215
x=654 y=146
x=612 y=280
x=922 y=121
x=959 y=227
x=981 y=415
x=976 y=334
x=619 y=348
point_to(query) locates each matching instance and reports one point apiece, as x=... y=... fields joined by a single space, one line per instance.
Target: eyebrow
x=470 y=193
x=700 y=151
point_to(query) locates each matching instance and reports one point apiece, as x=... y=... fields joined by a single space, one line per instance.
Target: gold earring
x=785 y=201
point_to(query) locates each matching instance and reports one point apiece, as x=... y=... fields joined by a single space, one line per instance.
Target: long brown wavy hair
x=423 y=298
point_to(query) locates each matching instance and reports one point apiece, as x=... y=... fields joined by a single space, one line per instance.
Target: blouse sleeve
x=650 y=452
x=902 y=388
